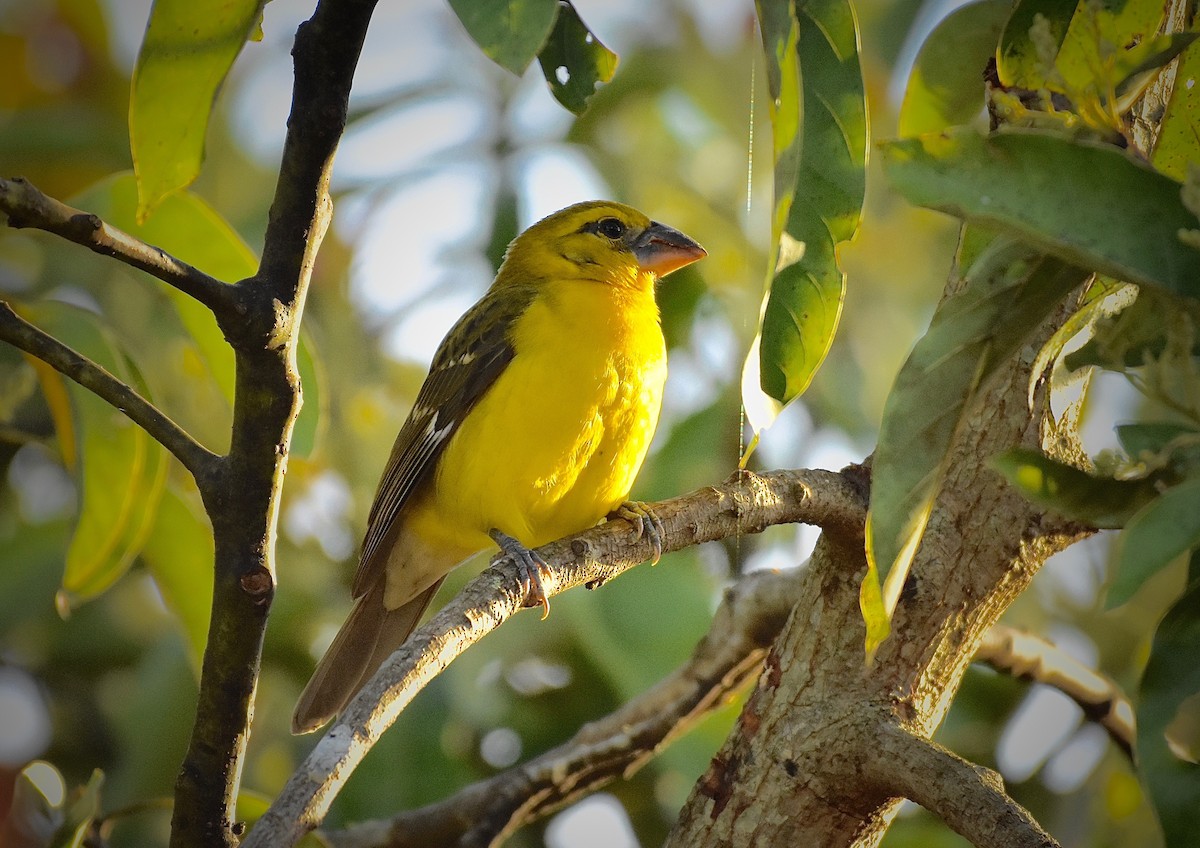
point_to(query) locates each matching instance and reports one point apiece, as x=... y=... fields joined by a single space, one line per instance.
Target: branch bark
x=615 y=746
x=243 y=501
x=748 y=503
x=969 y=798
x=18 y=332
x=28 y=207
x=1032 y=658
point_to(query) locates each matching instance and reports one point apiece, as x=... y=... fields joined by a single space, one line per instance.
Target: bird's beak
x=661 y=250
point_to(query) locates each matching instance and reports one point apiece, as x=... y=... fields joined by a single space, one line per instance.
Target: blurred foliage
x=446 y=158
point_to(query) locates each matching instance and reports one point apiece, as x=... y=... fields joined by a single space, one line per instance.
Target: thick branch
x=615 y=746
x=748 y=503
x=967 y=797
x=18 y=332
x=28 y=207
x=1033 y=658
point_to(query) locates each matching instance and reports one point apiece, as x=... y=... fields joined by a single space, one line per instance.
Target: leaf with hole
x=574 y=62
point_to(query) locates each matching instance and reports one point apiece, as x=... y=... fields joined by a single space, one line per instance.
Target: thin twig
x=28 y=207
x=617 y=745
x=1030 y=657
x=18 y=332
x=748 y=503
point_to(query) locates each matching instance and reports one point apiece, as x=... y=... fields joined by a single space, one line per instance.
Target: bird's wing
x=474 y=353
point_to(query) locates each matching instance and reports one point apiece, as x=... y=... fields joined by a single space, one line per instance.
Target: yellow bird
x=532 y=424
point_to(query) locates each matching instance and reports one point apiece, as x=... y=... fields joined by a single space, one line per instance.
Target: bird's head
x=602 y=241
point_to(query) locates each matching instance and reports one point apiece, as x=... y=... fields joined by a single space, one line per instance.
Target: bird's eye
x=610 y=228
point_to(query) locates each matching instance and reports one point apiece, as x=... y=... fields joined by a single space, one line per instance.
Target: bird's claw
x=645 y=523
x=530 y=566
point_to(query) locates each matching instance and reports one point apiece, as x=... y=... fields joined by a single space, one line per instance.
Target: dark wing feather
x=467 y=363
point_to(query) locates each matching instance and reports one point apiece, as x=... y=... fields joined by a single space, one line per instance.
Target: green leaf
x=946 y=84
x=1178 y=140
x=780 y=30
x=188 y=49
x=179 y=555
x=805 y=301
x=1153 y=437
x=121 y=470
x=1018 y=63
x=574 y=61
x=1169 y=684
x=81 y=810
x=1107 y=43
x=509 y=32
x=1100 y=501
x=1164 y=529
x=1009 y=289
x=1044 y=189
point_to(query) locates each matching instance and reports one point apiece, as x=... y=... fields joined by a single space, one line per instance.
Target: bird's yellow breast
x=556 y=443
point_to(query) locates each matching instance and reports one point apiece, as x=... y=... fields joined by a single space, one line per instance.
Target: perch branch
x=747 y=503
x=26 y=206
x=18 y=332
x=1030 y=657
x=968 y=798
x=617 y=745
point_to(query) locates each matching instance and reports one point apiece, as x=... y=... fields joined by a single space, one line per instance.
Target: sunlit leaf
x=1138 y=333
x=806 y=296
x=36 y=813
x=1104 y=298
x=186 y=227
x=121 y=469
x=187 y=51
x=1178 y=138
x=1171 y=680
x=574 y=61
x=1018 y=63
x=81 y=810
x=510 y=32
x=1106 y=42
x=946 y=86
x=179 y=555
x=1043 y=188
x=1147 y=57
x=1008 y=291
x=1166 y=528
x=1100 y=501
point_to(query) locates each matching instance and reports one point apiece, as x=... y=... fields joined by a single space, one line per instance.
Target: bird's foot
x=530 y=566
x=645 y=522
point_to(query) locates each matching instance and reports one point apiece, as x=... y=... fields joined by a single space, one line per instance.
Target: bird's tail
x=369 y=636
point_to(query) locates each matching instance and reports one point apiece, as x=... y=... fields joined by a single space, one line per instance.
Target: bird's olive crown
x=592 y=240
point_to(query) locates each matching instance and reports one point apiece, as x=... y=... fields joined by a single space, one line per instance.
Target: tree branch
x=617 y=745
x=1030 y=657
x=28 y=207
x=18 y=332
x=967 y=797
x=748 y=503
x=244 y=505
